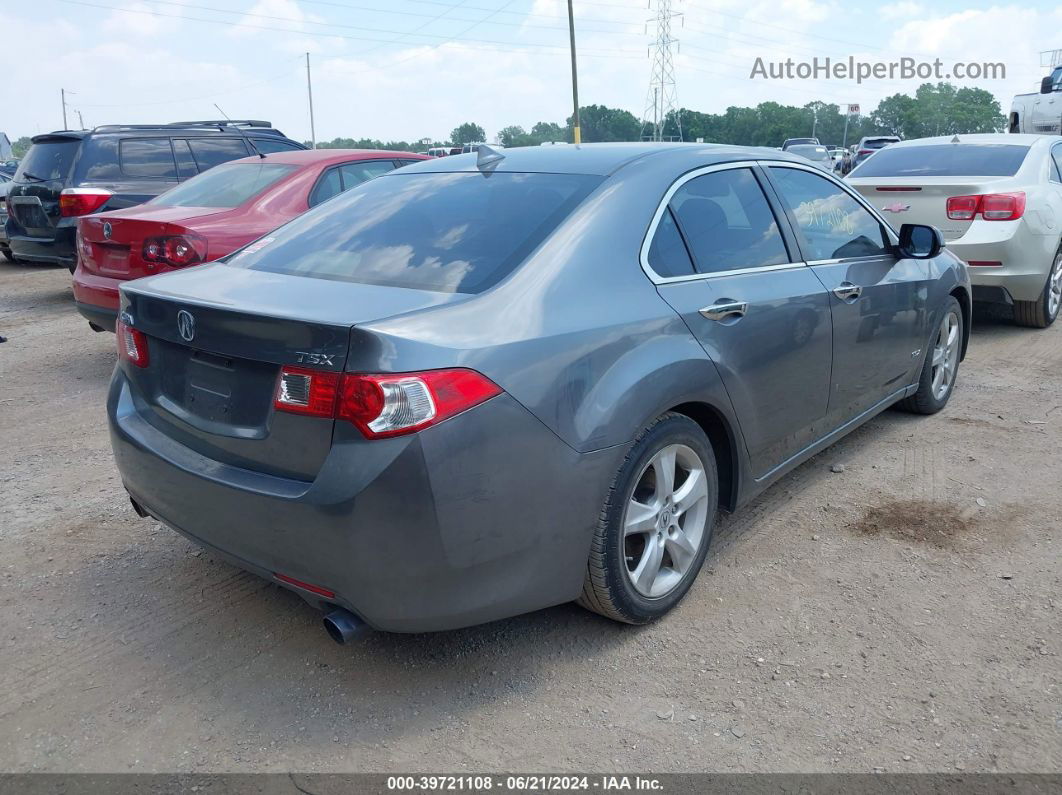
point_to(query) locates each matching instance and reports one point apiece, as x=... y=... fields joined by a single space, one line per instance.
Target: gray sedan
x=487 y=384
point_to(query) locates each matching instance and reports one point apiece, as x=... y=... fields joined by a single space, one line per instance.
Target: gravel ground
x=893 y=604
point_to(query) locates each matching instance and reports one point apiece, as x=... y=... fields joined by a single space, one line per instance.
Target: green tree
x=466 y=133
x=601 y=123
x=545 y=131
x=20 y=146
x=514 y=135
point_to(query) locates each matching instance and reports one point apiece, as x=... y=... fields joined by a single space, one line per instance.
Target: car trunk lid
x=214 y=393
x=112 y=244
x=923 y=200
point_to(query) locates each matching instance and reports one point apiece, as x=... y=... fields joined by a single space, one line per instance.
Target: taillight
x=990 y=206
x=82 y=201
x=383 y=405
x=175 y=250
x=132 y=344
x=866 y=151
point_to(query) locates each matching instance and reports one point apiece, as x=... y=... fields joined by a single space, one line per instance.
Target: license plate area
x=29 y=213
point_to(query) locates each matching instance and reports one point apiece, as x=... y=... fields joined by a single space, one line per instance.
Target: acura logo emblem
x=107 y=230
x=186 y=325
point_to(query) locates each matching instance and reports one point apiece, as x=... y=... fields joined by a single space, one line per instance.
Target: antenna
x=487 y=157
x=239 y=129
x=662 y=98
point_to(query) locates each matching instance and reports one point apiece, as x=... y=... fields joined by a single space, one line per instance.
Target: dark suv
x=73 y=173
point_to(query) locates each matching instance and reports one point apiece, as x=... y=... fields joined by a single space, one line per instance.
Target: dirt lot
x=900 y=613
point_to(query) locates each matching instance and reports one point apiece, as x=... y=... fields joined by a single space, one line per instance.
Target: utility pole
x=62 y=94
x=577 y=135
x=814 y=119
x=662 y=97
x=80 y=119
x=309 y=94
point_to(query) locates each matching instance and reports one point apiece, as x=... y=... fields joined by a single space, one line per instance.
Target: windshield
x=47 y=160
x=947 y=160
x=810 y=152
x=448 y=232
x=227 y=185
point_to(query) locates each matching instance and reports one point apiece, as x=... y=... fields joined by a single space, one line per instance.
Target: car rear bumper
x=96 y=297
x=1025 y=259
x=58 y=250
x=475 y=519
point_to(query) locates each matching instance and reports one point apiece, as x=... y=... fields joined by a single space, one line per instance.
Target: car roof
x=183 y=129
x=603 y=159
x=306 y=157
x=1017 y=139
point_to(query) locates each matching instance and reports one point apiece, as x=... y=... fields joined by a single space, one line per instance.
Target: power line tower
x=662 y=98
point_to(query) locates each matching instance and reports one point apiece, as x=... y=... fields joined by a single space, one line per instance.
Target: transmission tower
x=662 y=98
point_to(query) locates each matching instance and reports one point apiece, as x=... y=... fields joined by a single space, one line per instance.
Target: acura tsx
x=491 y=383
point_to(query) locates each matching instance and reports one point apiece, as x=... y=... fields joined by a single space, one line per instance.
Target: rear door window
x=48 y=160
x=330 y=184
x=210 y=152
x=945 y=160
x=668 y=255
x=447 y=232
x=356 y=173
x=830 y=223
x=147 y=157
x=269 y=145
x=728 y=223
x=186 y=166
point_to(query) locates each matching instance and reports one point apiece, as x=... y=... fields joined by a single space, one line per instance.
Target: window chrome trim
x=647 y=242
x=894 y=237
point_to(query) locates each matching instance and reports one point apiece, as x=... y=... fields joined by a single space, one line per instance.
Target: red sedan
x=209 y=216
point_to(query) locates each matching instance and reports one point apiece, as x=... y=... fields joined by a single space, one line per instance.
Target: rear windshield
x=948 y=160
x=809 y=151
x=227 y=185
x=878 y=143
x=48 y=160
x=450 y=232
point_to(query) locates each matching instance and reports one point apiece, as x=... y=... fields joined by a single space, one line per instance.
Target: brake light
x=990 y=206
x=866 y=151
x=177 y=251
x=82 y=201
x=383 y=405
x=132 y=344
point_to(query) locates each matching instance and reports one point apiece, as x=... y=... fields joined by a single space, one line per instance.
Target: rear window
x=450 y=232
x=878 y=143
x=810 y=152
x=47 y=160
x=947 y=160
x=227 y=185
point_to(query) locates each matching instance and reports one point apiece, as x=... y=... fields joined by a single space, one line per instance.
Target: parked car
x=869 y=145
x=438 y=151
x=798 y=141
x=73 y=173
x=210 y=216
x=996 y=197
x=480 y=385
x=5 y=245
x=818 y=155
x=1040 y=112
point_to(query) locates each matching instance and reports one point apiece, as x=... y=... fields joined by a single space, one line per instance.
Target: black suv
x=73 y=173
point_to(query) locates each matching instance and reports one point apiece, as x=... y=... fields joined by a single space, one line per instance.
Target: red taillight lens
x=866 y=151
x=177 y=251
x=382 y=405
x=390 y=405
x=304 y=391
x=132 y=345
x=990 y=206
x=317 y=589
x=82 y=201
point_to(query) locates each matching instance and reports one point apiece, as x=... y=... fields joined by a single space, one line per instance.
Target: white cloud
x=901 y=10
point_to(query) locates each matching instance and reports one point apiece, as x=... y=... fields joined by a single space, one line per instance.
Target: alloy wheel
x=946 y=355
x=664 y=521
x=1054 y=288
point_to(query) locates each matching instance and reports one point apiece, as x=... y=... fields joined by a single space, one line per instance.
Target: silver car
x=495 y=382
x=818 y=155
x=998 y=200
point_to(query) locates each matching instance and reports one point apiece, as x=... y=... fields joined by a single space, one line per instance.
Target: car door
x=720 y=257
x=878 y=300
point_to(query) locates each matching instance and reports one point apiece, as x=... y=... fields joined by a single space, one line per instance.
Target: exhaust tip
x=342 y=625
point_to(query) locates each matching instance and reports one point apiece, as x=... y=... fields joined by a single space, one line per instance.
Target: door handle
x=725 y=309
x=847 y=291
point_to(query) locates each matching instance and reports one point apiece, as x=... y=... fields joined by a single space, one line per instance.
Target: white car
x=1040 y=112
x=997 y=198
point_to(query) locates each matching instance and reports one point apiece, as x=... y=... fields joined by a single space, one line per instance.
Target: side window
x=401 y=163
x=1056 y=164
x=728 y=223
x=831 y=224
x=269 y=145
x=667 y=253
x=147 y=157
x=357 y=173
x=185 y=162
x=210 y=152
x=329 y=185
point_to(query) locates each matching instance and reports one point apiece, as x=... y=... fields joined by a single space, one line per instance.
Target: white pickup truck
x=1041 y=112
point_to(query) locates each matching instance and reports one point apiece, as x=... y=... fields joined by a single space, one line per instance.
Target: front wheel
x=655 y=525
x=1042 y=312
x=941 y=366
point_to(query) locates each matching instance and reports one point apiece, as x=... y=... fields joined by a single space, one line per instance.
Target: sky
x=412 y=69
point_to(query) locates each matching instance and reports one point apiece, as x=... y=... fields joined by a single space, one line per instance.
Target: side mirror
x=1047 y=85
x=920 y=241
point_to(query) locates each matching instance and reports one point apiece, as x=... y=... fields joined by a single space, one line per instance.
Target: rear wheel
x=7 y=254
x=941 y=366
x=655 y=525
x=1042 y=312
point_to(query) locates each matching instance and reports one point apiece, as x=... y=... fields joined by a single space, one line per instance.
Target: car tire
x=1042 y=312
x=7 y=254
x=941 y=361
x=675 y=537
